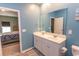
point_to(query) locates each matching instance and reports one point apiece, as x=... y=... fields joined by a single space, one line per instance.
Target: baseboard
x=27 y=49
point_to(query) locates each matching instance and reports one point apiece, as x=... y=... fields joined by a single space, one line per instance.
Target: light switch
x=69 y=31
x=24 y=30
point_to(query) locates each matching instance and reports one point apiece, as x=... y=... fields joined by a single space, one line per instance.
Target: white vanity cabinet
x=48 y=47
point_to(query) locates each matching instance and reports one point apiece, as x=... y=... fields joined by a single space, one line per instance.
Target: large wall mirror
x=55 y=21
x=58 y=21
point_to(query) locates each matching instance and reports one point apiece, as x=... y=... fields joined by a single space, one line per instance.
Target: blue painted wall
x=29 y=21
x=74 y=26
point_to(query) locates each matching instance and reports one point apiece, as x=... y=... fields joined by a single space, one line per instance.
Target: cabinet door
x=37 y=42
x=53 y=49
x=44 y=47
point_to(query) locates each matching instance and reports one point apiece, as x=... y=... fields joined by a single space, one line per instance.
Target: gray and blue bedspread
x=9 y=38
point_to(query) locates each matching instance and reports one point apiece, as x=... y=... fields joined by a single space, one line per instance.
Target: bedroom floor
x=13 y=50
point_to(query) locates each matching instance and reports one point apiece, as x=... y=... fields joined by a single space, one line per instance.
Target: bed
x=11 y=37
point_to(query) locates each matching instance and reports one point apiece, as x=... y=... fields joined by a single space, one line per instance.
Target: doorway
x=57 y=25
x=10 y=30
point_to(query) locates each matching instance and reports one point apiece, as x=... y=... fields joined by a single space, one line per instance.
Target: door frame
x=19 y=24
x=57 y=17
x=50 y=23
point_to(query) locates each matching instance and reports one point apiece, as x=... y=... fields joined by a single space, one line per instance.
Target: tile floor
x=32 y=52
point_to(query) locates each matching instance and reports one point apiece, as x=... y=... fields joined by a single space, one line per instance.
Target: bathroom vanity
x=50 y=44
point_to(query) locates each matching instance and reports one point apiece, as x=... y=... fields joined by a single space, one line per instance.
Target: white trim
x=20 y=34
x=27 y=49
x=9 y=9
x=19 y=23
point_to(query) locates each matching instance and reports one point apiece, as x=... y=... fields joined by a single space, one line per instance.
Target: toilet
x=75 y=50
